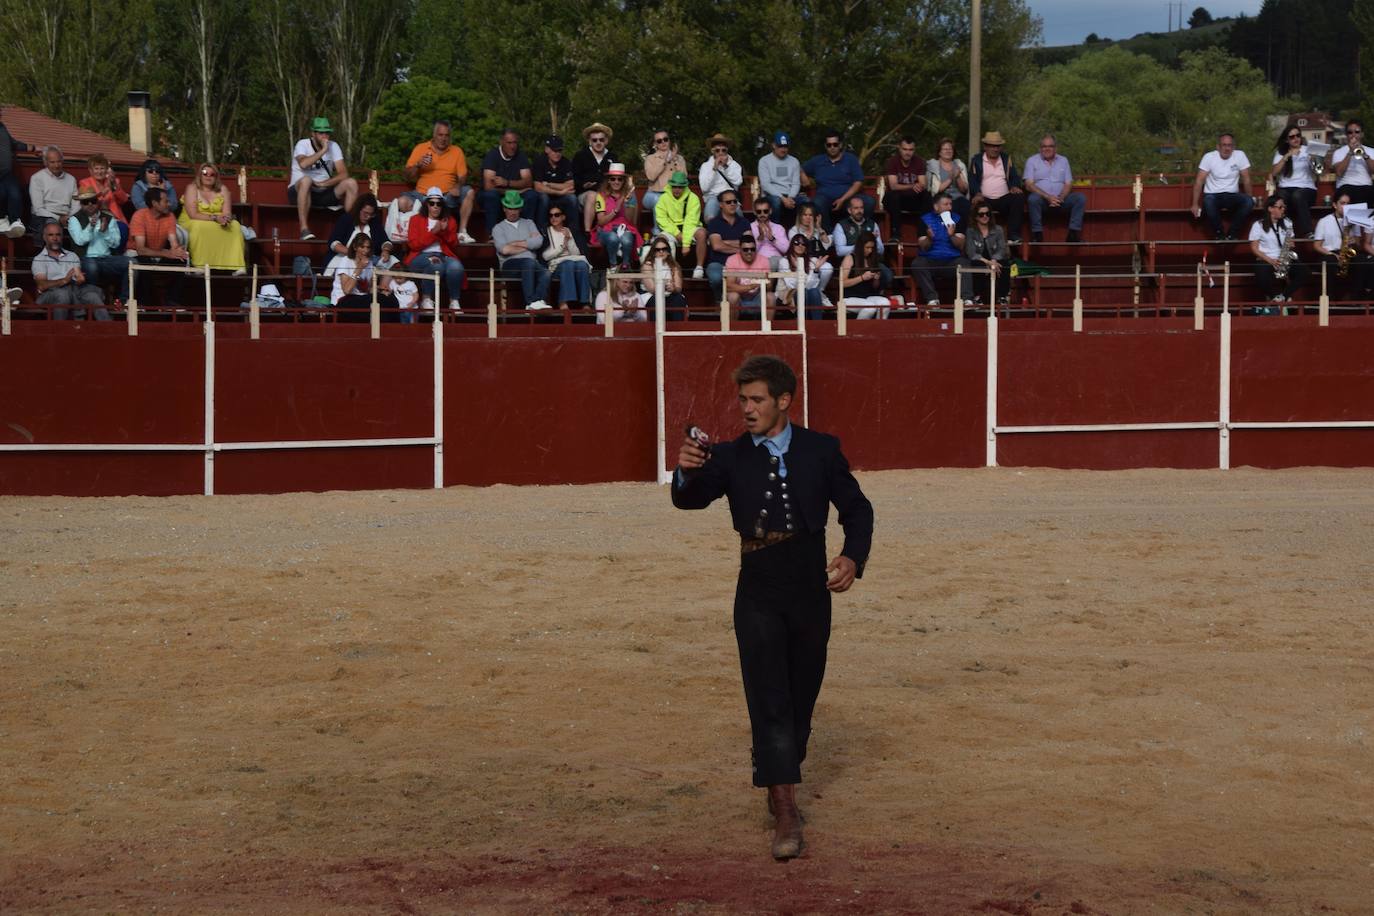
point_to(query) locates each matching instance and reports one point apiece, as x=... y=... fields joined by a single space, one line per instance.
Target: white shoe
x=241 y=272
x=455 y=305
x=465 y=239
x=427 y=304
x=13 y=293
x=16 y=230
x=538 y=305
x=4 y=224
x=698 y=273
x=825 y=301
x=933 y=302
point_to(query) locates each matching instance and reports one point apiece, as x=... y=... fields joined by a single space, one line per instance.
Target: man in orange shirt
x=439 y=163
x=153 y=238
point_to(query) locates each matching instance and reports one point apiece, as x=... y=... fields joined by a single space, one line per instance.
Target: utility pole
x=975 y=79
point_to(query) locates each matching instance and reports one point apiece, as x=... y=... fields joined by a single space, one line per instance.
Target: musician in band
x=1347 y=251
x=1277 y=270
x=1295 y=178
x=1351 y=165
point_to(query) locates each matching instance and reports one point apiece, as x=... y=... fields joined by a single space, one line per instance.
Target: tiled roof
x=77 y=143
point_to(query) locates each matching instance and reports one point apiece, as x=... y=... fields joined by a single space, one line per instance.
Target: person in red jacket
x=433 y=240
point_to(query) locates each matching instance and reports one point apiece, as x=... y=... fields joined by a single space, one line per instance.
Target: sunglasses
x=556 y=215
x=434 y=203
x=763 y=214
x=799 y=243
x=209 y=173
x=749 y=248
x=93 y=202
x=983 y=213
x=660 y=248
x=598 y=139
x=830 y=145
x=725 y=203
x=660 y=139
x=1294 y=136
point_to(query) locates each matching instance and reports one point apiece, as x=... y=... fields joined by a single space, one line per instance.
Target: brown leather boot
x=787 y=827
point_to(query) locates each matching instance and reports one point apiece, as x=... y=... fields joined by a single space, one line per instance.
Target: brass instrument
x=1358 y=152
x=1346 y=254
x=1287 y=255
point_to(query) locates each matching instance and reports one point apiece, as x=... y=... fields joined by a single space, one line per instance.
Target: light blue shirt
x=778 y=446
x=98 y=244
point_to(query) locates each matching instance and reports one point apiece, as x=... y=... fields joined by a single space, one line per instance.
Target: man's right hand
x=1197 y=211
x=691 y=456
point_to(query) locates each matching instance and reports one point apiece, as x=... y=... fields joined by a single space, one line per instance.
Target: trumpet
x=1358 y=152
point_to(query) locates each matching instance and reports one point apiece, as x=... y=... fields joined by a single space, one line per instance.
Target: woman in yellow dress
x=207 y=215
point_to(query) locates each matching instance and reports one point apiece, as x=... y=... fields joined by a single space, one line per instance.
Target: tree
x=1199 y=18
x=1091 y=39
x=406 y=115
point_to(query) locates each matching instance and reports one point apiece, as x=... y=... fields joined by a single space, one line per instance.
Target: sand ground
x=1053 y=692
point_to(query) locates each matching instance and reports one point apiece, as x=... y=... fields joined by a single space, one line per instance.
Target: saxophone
x=1346 y=254
x=1287 y=255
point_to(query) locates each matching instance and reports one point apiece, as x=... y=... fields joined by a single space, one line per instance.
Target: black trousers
x=905 y=206
x=1010 y=209
x=782 y=627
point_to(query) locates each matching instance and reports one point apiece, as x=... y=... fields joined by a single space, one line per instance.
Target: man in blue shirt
x=942 y=248
x=781 y=480
x=1048 y=181
x=838 y=177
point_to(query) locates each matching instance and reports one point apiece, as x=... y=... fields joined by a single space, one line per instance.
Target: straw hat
x=597 y=126
x=993 y=138
x=719 y=139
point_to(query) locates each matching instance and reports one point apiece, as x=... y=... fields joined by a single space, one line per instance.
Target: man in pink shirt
x=994 y=176
x=771 y=238
x=743 y=293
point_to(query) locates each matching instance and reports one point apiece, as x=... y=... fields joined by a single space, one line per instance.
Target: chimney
x=140 y=123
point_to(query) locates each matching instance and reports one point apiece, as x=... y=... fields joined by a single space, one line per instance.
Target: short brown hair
x=768 y=369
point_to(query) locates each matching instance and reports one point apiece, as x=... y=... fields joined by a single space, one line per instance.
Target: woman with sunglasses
x=432 y=240
x=863 y=280
x=208 y=218
x=1294 y=178
x=1272 y=242
x=662 y=161
x=567 y=263
x=615 y=209
x=353 y=277
x=152 y=176
x=669 y=273
x=818 y=242
x=985 y=244
x=799 y=258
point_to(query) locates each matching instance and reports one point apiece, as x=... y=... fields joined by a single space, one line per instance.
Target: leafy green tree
x=1199 y=18
x=406 y=115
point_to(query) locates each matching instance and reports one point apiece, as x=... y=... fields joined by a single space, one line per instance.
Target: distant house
x=76 y=143
x=1315 y=125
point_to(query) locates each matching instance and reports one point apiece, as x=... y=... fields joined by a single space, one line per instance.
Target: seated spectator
x=60 y=281
x=1350 y=164
x=985 y=245
x=365 y=218
x=216 y=238
x=404 y=289
x=553 y=182
x=662 y=162
x=589 y=170
x=906 y=186
x=12 y=196
x=839 y=178
x=52 y=193
x=745 y=293
x=818 y=242
x=677 y=217
x=615 y=221
x=507 y=168
x=667 y=271
x=151 y=175
x=723 y=238
x=398 y=215
x=994 y=176
x=105 y=182
x=855 y=223
x=154 y=239
x=97 y=237
x=439 y=162
x=623 y=299
x=946 y=174
x=566 y=262
x=719 y=174
x=864 y=280
x=942 y=248
x=353 y=278
x=780 y=180
x=771 y=238
x=1334 y=234
x=799 y=259
x=1296 y=181
x=516 y=239
x=1223 y=183
x=1048 y=181
x=433 y=246
x=1269 y=236
x=319 y=175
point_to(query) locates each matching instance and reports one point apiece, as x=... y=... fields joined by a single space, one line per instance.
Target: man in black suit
x=780 y=480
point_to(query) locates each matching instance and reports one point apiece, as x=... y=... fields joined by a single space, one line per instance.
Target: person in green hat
x=319 y=177
x=677 y=217
x=516 y=240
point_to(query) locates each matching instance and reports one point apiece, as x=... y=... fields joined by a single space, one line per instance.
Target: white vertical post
x=1077 y=297
x=1324 y=303
x=660 y=459
x=4 y=292
x=131 y=307
x=437 y=333
x=724 y=304
x=767 y=321
x=209 y=333
x=209 y=310
x=958 y=300
x=800 y=300
x=491 y=301
x=991 y=409
x=375 y=312
x=1197 y=301
x=608 y=319
x=1224 y=395
x=1226 y=288
x=841 y=312
x=254 y=309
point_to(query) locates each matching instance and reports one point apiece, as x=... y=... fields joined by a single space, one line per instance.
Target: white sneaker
x=427 y=304
x=241 y=272
x=4 y=224
x=698 y=273
x=465 y=239
x=933 y=302
x=538 y=305
x=825 y=301
x=16 y=229
x=454 y=304
x=13 y=293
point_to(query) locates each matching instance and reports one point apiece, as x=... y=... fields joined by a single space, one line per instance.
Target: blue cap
x=781 y=138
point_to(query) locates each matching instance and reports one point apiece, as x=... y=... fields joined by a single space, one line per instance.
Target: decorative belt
x=749 y=545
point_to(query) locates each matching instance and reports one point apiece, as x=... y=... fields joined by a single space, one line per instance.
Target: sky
x=1068 y=22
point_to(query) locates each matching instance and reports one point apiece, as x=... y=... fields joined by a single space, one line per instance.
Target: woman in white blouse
x=1292 y=174
x=567 y=263
x=1270 y=235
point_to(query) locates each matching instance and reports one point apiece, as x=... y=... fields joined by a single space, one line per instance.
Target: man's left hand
x=841 y=573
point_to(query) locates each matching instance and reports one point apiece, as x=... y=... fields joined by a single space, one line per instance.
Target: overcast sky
x=1068 y=22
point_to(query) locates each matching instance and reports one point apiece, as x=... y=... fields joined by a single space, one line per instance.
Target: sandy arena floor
x=1054 y=692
